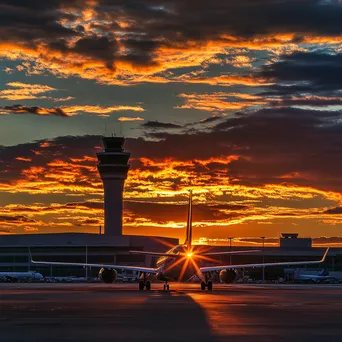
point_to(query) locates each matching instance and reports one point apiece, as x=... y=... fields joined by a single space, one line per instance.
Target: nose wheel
x=166 y=287
x=208 y=285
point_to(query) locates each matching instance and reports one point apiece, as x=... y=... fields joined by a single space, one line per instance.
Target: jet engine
x=227 y=276
x=108 y=275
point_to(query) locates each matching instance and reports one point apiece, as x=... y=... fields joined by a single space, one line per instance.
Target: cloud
x=238 y=177
x=24 y=91
x=240 y=61
x=20 y=109
x=63 y=99
x=30 y=229
x=129 y=118
x=210 y=119
x=219 y=102
x=129 y=43
x=15 y=219
x=305 y=72
x=102 y=111
x=337 y=210
x=160 y=125
x=251 y=150
x=228 y=80
x=67 y=111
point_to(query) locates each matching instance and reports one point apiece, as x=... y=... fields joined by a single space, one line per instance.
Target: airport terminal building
x=112 y=247
x=99 y=248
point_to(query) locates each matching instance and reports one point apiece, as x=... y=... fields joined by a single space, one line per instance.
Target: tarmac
x=43 y=312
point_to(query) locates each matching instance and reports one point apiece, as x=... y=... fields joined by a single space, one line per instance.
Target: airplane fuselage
x=176 y=268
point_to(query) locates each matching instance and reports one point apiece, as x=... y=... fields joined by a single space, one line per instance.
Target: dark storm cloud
x=305 y=72
x=159 y=24
x=159 y=125
x=269 y=146
x=210 y=119
x=308 y=101
x=20 y=109
x=183 y=20
x=273 y=146
x=32 y=20
x=98 y=47
x=286 y=145
x=41 y=153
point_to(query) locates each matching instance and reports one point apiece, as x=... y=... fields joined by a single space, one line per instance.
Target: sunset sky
x=238 y=100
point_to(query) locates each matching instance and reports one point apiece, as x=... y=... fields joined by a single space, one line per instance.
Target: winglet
x=325 y=255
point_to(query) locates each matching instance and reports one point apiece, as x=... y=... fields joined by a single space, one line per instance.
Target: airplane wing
x=224 y=253
x=116 y=267
x=268 y=264
x=157 y=254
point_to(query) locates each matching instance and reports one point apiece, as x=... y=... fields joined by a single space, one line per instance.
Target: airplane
x=322 y=276
x=180 y=263
x=15 y=276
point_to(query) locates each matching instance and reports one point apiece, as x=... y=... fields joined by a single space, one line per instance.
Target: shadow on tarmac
x=174 y=316
x=72 y=314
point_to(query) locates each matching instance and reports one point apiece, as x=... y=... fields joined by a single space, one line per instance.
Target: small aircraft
x=180 y=264
x=15 y=276
x=321 y=276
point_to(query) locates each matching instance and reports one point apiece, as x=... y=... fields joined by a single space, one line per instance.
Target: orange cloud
x=24 y=91
x=102 y=111
x=24 y=159
x=67 y=111
x=229 y=80
x=127 y=118
x=219 y=102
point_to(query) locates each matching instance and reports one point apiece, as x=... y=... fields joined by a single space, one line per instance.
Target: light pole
x=263 y=257
x=86 y=268
x=230 y=244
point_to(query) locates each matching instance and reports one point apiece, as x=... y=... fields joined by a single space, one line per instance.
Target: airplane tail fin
x=29 y=250
x=188 y=240
x=323 y=272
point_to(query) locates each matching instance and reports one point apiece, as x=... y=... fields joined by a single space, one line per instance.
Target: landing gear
x=148 y=285
x=141 y=285
x=210 y=285
x=166 y=287
x=207 y=284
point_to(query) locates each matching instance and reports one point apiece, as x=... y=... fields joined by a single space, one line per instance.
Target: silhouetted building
x=113 y=168
x=291 y=240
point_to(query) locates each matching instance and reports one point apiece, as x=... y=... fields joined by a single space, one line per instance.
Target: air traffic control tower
x=113 y=168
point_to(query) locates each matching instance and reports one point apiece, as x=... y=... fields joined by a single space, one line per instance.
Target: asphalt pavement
x=119 y=312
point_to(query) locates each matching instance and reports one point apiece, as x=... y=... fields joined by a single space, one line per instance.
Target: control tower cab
x=113 y=167
x=291 y=240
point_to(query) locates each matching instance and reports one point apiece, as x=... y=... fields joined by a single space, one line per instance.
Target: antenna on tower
x=121 y=133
